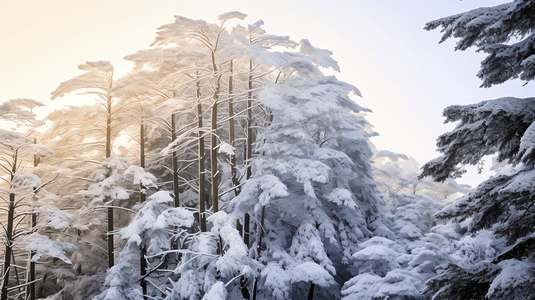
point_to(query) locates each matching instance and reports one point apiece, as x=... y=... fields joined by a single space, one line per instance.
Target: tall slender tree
x=97 y=80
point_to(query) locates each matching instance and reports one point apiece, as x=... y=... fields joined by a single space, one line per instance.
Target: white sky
x=405 y=76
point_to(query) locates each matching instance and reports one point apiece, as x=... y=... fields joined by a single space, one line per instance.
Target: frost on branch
x=322 y=57
x=231 y=15
x=11 y=111
x=138 y=175
x=96 y=77
x=491 y=29
x=502 y=202
x=43 y=245
x=485 y=128
x=149 y=229
x=25 y=180
x=28 y=103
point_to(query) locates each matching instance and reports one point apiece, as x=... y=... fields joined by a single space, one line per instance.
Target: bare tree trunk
x=311 y=291
x=202 y=217
x=249 y=147
x=249 y=120
x=32 y=265
x=175 y=163
x=31 y=279
x=259 y=247
x=9 y=245
x=143 y=268
x=213 y=151
x=9 y=232
x=142 y=194
x=142 y=198
x=111 y=254
x=232 y=137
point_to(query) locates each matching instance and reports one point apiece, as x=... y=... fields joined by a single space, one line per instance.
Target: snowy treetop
x=231 y=15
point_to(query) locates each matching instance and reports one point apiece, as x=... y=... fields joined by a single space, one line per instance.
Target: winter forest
x=228 y=164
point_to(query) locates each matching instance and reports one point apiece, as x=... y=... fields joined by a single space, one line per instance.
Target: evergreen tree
x=25 y=197
x=301 y=147
x=491 y=29
x=503 y=204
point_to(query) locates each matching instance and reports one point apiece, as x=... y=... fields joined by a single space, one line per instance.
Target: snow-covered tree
x=311 y=191
x=502 y=204
x=301 y=197
x=397 y=174
x=25 y=197
x=491 y=30
x=90 y=130
x=397 y=265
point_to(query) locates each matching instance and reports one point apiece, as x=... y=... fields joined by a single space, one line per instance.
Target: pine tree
x=25 y=196
x=301 y=159
x=490 y=29
x=503 y=204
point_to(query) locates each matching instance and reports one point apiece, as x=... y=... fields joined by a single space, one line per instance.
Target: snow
x=53 y=217
x=391 y=155
x=226 y=148
x=43 y=245
x=376 y=252
x=232 y=15
x=317 y=215
x=321 y=57
x=140 y=176
x=26 y=180
x=12 y=139
x=216 y=292
x=277 y=281
x=311 y=272
x=515 y=277
x=28 y=103
x=10 y=111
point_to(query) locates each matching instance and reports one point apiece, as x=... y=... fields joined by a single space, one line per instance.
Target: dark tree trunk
x=202 y=216
x=111 y=254
x=142 y=198
x=9 y=245
x=175 y=163
x=311 y=291
x=232 y=137
x=9 y=232
x=249 y=147
x=213 y=152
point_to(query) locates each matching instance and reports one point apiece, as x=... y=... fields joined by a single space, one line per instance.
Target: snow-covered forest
x=227 y=165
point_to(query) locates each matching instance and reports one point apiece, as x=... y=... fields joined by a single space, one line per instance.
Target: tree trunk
x=143 y=268
x=232 y=137
x=259 y=247
x=31 y=277
x=175 y=163
x=142 y=198
x=311 y=291
x=249 y=120
x=32 y=265
x=249 y=146
x=111 y=258
x=142 y=194
x=213 y=152
x=9 y=245
x=9 y=232
x=202 y=217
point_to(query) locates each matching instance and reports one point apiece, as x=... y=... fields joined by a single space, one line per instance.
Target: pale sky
x=405 y=76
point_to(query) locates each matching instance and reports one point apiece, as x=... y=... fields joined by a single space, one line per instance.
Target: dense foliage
x=226 y=165
x=502 y=207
